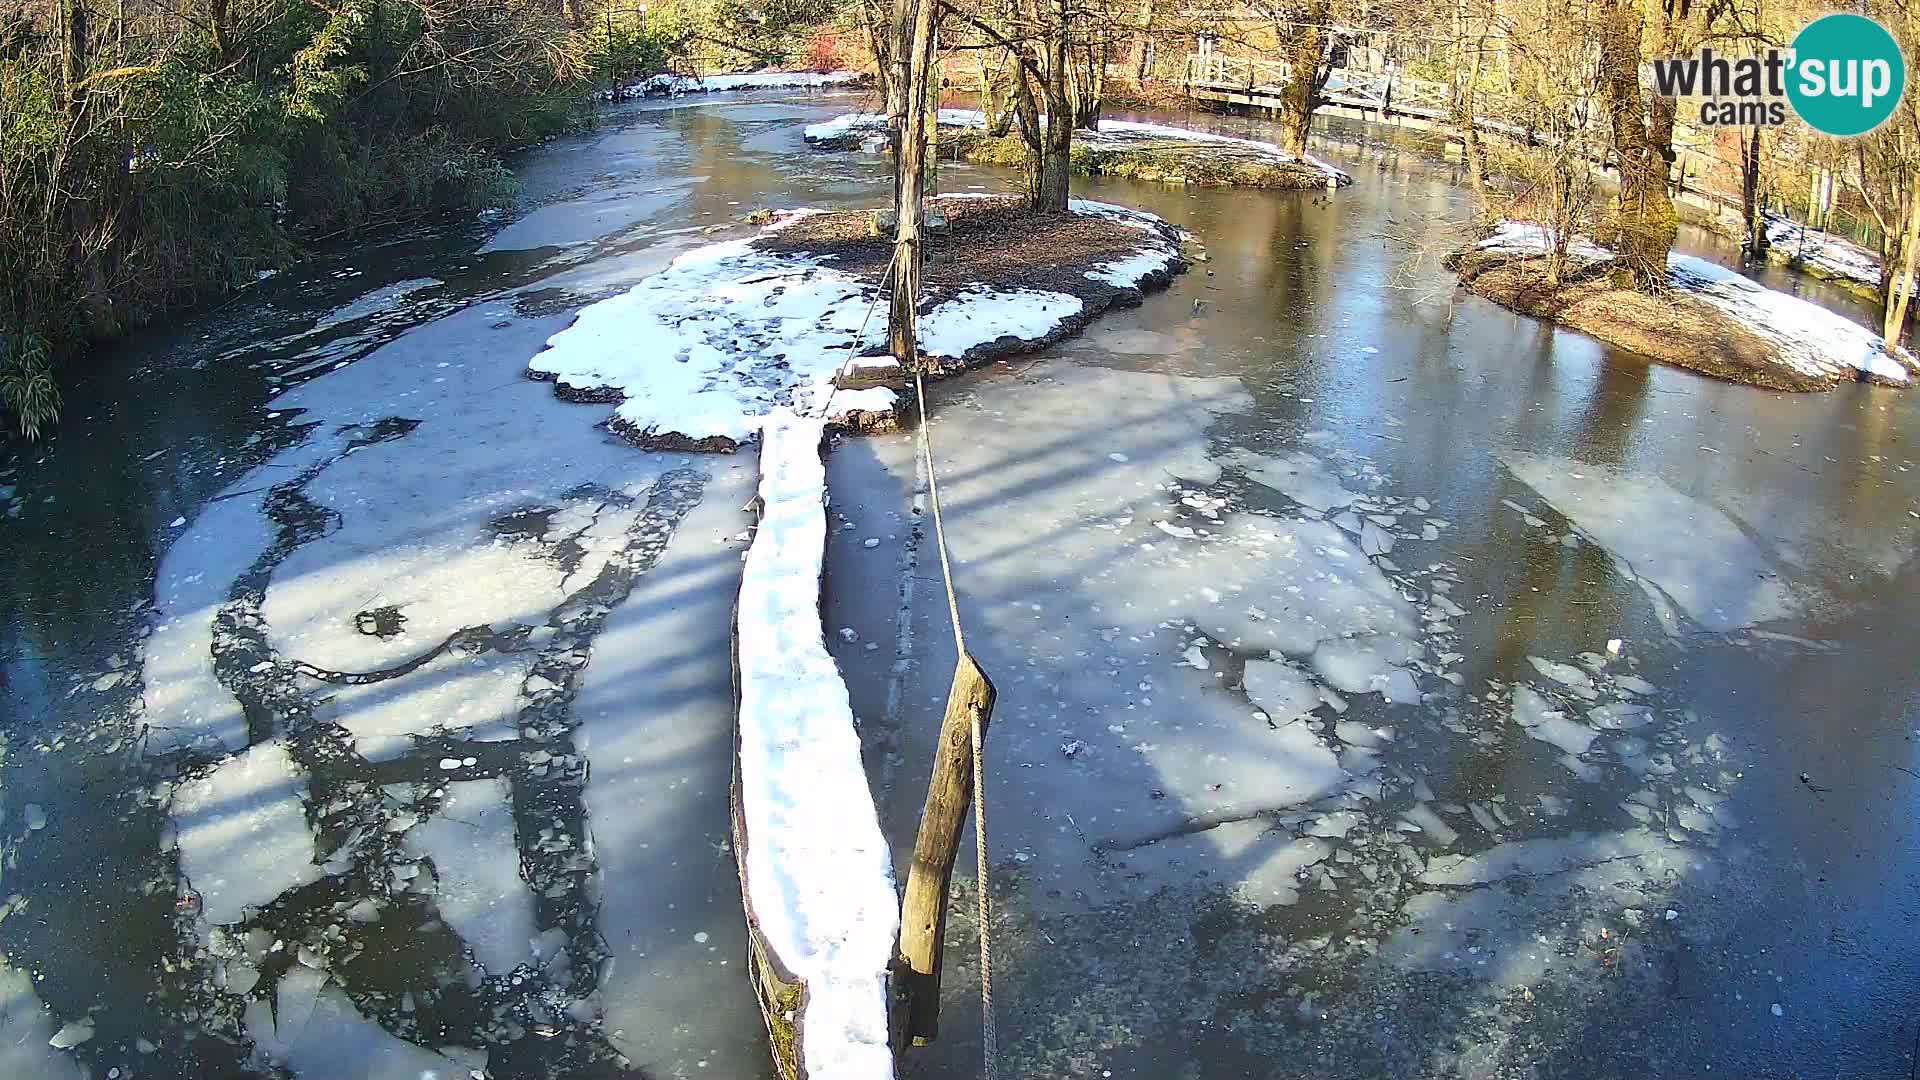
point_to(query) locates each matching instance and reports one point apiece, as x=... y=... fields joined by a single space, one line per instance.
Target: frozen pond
x=1387 y=687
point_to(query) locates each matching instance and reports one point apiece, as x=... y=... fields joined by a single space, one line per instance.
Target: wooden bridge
x=1369 y=95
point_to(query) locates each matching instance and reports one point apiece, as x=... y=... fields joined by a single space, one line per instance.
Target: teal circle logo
x=1847 y=75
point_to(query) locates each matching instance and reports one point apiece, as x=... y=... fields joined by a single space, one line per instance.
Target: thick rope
x=989 y=1037
x=826 y=410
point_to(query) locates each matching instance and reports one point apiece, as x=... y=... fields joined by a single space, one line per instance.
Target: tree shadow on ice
x=1190 y=884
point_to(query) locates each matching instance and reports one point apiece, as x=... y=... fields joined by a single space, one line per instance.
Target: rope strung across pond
x=989 y=1038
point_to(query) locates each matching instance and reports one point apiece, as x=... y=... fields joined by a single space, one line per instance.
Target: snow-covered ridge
x=1113 y=134
x=675 y=85
x=1822 y=252
x=1814 y=341
x=701 y=352
x=817 y=877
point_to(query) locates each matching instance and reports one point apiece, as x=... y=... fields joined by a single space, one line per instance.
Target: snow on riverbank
x=1113 y=135
x=818 y=880
x=676 y=85
x=701 y=352
x=1821 y=253
x=1812 y=340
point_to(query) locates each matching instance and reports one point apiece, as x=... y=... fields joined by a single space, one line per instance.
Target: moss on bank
x=1675 y=328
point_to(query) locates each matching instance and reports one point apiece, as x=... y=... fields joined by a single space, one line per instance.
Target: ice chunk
x=242 y=832
x=477 y=863
x=1282 y=690
x=1298 y=475
x=1681 y=550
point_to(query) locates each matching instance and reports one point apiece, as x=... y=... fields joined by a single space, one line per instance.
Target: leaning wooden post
x=923 y=913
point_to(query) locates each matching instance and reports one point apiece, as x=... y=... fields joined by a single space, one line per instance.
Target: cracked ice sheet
x=444 y=575
x=1682 y=551
x=476 y=864
x=1084 y=656
x=655 y=712
x=487 y=441
x=476 y=696
x=242 y=832
x=25 y=1027
x=314 y=1031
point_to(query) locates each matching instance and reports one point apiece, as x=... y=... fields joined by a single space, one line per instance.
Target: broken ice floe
x=1684 y=552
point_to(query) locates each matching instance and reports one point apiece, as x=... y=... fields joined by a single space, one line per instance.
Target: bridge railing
x=1381 y=91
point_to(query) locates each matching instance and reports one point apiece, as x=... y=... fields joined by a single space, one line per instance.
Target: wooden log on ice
x=816 y=878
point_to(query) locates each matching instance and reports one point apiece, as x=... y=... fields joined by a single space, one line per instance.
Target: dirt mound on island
x=1672 y=327
x=994 y=243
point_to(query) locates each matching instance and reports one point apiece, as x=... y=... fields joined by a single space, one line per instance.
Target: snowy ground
x=1814 y=341
x=676 y=85
x=817 y=880
x=1113 y=134
x=702 y=351
x=1822 y=252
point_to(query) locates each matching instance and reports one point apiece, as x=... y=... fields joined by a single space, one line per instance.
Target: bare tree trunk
x=1754 y=243
x=900 y=84
x=909 y=175
x=1643 y=224
x=1466 y=93
x=1143 y=45
x=1901 y=288
x=1051 y=188
x=1305 y=48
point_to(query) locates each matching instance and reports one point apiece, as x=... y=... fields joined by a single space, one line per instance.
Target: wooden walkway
x=1369 y=95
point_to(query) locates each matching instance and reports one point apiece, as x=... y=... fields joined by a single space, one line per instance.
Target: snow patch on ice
x=818 y=876
x=1682 y=551
x=709 y=346
x=242 y=832
x=979 y=315
x=1113 y=134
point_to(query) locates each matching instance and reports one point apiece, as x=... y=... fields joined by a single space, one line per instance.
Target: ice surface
x=474 y=695
x=318 y=1033
x=489 y=559
x=477 y=863
x=655 y=709
x=818 y=877
x=1547 y=855
x=1282 y=690
x=183 y=700
x=1298 y=475
x=242 y=832
x=25 y=1028
x=1683 y=551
